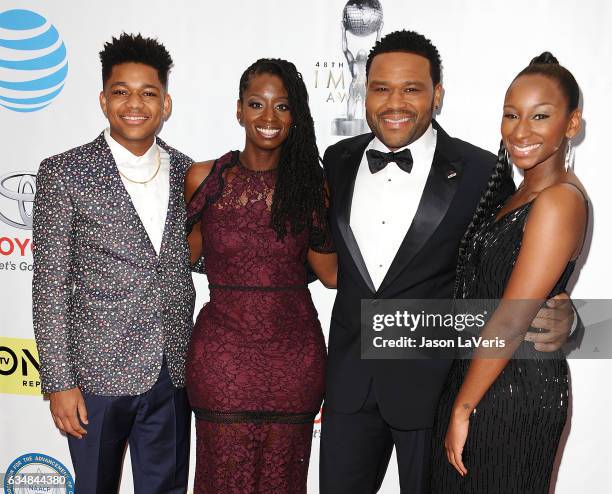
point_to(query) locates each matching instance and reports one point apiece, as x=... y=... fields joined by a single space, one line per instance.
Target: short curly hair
x=134 y=48
x=409 y=42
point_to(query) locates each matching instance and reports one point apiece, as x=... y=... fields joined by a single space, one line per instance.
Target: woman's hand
x=325 y=266
x=456 y=435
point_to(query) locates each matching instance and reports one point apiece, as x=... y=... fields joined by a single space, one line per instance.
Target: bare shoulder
x=195 y=175
x=565 y=199
x=199 y=171
x=559 y=214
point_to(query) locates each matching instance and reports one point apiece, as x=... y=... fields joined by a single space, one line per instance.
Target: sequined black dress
x=515 y=430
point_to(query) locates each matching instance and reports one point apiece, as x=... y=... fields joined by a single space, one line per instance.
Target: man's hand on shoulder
x=69 y=412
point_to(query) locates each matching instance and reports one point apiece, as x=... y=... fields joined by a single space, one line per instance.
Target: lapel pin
x=451 y=174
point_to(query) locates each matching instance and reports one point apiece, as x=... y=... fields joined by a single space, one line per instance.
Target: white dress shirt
x=151 y=199
x=384 y=203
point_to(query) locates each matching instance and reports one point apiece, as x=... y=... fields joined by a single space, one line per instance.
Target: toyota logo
x=19 y=187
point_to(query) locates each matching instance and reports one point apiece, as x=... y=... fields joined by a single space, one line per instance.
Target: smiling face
x=135 y=102
x=400 y=98
x=264 y=112
x=536 y=121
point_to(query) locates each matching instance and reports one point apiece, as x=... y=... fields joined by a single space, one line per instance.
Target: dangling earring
x=569 y=156
x=510 y=165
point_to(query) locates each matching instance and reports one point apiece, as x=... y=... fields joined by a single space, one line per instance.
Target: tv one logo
x=33 y=61
x=19 y=366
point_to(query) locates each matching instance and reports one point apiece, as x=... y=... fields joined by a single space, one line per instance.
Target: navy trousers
x=156 y=424
x=356 y=449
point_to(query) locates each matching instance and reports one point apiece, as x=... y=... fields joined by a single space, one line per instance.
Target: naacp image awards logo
x=33 y=61
x=36 y=472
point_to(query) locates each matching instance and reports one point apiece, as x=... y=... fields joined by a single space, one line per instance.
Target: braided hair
x=544 y=64
x=488 y=200
x=299 y=196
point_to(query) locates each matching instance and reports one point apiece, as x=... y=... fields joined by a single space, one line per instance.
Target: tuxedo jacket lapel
x=351 y=159
x=438 y=194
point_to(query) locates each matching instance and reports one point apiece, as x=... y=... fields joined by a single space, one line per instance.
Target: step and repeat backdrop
x=49 y=85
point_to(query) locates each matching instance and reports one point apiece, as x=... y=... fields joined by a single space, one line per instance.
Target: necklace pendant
x=144 y=182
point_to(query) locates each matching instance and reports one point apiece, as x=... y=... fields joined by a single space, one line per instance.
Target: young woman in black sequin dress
x=500 y=419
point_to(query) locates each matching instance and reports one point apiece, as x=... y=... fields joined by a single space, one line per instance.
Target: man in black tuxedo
x=401 y=200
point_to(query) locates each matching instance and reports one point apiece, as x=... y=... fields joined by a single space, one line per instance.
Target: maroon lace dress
x=256 y=362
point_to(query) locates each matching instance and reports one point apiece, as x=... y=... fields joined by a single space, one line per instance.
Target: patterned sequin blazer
x=106 y=307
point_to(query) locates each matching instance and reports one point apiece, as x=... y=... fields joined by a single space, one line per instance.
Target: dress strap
x=586 y=199
x=586 y=223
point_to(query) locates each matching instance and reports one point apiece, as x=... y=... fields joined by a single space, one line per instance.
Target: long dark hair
x=299 y=194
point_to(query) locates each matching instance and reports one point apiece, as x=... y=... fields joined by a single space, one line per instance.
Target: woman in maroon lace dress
x=255 y=368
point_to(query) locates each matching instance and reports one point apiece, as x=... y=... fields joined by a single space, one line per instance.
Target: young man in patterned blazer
x=112 y=291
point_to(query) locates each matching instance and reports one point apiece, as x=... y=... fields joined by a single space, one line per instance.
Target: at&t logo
x=33 y=61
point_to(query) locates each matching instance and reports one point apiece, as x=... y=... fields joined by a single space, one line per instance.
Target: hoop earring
x=569 y=156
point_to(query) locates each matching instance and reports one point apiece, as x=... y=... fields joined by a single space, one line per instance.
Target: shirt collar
x=422 y=147
x=124 y=157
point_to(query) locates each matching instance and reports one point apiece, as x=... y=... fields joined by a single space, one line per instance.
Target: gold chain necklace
x=144 y=182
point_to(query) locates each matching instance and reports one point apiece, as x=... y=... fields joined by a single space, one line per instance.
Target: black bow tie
x=377 y=160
